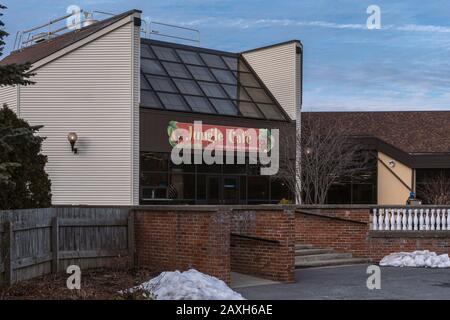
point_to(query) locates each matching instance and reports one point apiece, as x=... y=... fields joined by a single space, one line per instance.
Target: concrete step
x=333 y=262
x=300 y=246
x=307 y=252
x=325 y=256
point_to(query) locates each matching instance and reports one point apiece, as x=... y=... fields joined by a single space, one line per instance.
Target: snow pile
x=416 y=259
x=188 y=285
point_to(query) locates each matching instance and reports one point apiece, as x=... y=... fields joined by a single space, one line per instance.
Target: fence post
x=55 y=245
x=130 y=230
x=8 y=249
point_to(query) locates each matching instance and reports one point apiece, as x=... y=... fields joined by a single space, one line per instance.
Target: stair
x=308 y=256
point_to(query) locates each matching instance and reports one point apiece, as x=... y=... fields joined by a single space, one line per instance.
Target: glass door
x=213 y=190
x=230 y=190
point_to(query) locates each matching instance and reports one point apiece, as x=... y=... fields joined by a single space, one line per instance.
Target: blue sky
x=403 y=66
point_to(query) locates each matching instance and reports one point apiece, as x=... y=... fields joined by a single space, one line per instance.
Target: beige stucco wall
x=390 y=190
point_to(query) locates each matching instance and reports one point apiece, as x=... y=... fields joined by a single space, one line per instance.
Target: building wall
x=279 y=68
x=89 y=91
x=391 y=190
x=8 y=95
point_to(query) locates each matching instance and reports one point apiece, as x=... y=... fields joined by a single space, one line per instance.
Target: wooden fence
x=36 y=242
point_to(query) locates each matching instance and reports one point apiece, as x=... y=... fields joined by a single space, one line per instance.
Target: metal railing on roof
x=149 y=30
x=54 y=27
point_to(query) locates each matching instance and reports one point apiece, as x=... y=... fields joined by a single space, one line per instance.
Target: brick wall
x=262 y=243
x=183 y=239
x=347 y=230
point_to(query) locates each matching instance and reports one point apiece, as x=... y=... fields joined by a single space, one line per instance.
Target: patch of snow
x=424 y=258
x=188 y=285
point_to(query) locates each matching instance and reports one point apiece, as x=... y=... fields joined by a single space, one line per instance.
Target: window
x=249 y=109
x=199 y=104
x=224 y=76
x=182 y=186
x=165 y=53
x=172 y=101
x=201 y=73
x=224 y=106
x=161 y=83
x=212 y=90
x=213 y=60
x=188 y=87
x=151 y=161
x=149 y=99
x=258 y=188
x=176 y=70
x=190 y=57
x=152 y=66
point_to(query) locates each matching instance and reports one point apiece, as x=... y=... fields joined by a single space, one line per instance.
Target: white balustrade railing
x=427 y=219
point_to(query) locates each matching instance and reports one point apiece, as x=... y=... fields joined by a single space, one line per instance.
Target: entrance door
x=230 y=190
x=213 y=190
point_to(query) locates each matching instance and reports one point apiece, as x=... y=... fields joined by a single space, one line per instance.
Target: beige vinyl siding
x=8 y=95
x=136 y=37
x=88 y=91
x=278 y=68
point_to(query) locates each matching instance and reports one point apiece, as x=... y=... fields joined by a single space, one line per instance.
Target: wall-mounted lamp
x=391 y=163
x=308 y=150
x=72 y=137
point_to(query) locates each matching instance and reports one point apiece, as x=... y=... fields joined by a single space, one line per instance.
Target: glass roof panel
x=173 y=101
x=149 y=99
x=201 y=73
x=188 y=87
x=164 y=53
x=224 y=106
x=259 y=95
x=144 y=84
x=152 y=66
x=232 y=91
x=176 y=70
x=247 y=79
x=146 y=52
x=212 y=90
x=224 y=76
x=271 y=111
x=161 y=83
x=249 y=109
x=199 y=104
x=232 y=63
x=213 y=60
x=190 y=57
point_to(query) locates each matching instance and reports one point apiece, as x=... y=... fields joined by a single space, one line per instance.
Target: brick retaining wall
x=215 y=240
x=348 y=230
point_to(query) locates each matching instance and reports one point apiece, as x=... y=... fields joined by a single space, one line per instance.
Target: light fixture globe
x=72 y=138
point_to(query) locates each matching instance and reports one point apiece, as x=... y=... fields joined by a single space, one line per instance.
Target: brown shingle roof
x=409 y=131
x=42 y=50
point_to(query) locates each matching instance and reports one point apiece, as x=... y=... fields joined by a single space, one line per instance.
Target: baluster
x=374 y=220
x=438 y=219
x=432 y=220
x=386 y=220
x=399 y=220
x=416 y=220
x=421 y=224
x=444 y=220
x=381 y=220
x=427 y=219
x=393 y=219
x=410 y=219
x=404 y=220
x=448 y=219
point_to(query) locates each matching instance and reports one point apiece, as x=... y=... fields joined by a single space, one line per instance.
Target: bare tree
x=328 y=156
x=435 y=189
